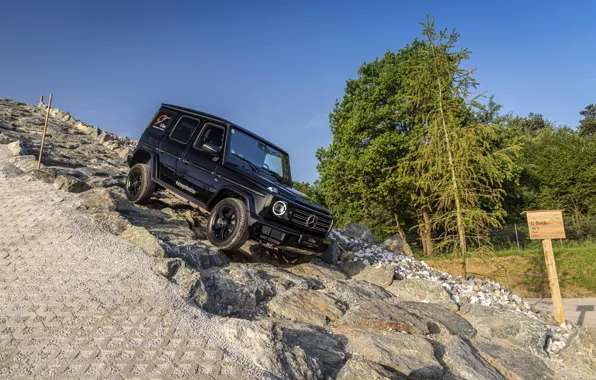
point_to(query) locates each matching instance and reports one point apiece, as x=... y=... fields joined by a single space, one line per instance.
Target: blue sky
x=277 y=67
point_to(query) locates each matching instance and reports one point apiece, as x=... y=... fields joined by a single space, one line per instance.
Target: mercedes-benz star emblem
x=312 y=221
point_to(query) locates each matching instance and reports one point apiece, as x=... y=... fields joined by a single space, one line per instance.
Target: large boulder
x=317 y=343
x=358 y=369
x=396 y=244
x=317 y=270
x=243 y=290
x=350 y=291
x=263 y=342
x=420 y=290
x=380 y=315
x=514 y=361
x=406 y=354
x=463 y=361
x=504 y=325
x=360 y=232
x=382 y=276
x=143 y=239
x=581 y=350
x=308 y=306
x=70 y=184
x=453 y=323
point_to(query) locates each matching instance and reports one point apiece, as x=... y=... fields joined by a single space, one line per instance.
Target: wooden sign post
x=546 y=225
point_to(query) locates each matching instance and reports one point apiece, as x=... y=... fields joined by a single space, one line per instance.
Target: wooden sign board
x=546 y=224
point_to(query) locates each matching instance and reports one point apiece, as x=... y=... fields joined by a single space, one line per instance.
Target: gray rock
x=359 y=231
x=6 y=126
x=581 y=350
x=308 y=306
x=5 y=139
x=317 y=270
x=463 y=361
x=70 y=184
x=358 y=369
x=242 y=290
x=16 y=148
x=379 y=276
x=104 y=137
x=404 y=353
x=327 y=349
x=352 y=268
x=396 y=244
x=452 y=322
x=420 y=290
x=514 y=361
x=380 y=315
x=350 y=291
x=332 y=254
x=140 y=237
x=519 y=330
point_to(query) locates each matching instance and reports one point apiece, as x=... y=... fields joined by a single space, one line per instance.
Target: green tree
x=457 y=167
x=371 y=137
x=587 y=126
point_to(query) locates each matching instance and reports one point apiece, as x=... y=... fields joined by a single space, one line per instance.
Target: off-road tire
x=239 y=235
x=146 y=186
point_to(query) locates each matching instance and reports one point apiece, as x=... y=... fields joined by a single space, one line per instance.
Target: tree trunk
x=400 y=230
x=460 y=219
x=425 y=230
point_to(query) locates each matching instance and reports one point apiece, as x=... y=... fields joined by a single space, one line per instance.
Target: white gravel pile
x=464 y=292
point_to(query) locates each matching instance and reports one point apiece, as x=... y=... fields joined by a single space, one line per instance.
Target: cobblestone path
x=77 y=302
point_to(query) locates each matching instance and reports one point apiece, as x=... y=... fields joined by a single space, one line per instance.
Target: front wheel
x=227 y=228
x=139 y=186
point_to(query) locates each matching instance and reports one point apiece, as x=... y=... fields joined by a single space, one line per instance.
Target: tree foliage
x=415 y=153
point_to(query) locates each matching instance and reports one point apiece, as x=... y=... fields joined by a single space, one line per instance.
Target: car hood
x=287 y=192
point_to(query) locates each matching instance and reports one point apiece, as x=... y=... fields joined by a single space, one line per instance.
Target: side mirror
x=211 y=149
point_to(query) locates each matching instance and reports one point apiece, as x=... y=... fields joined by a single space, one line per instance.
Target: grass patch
x=524 y=270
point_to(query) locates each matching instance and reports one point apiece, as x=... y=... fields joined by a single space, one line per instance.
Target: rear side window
x=161 y=122
x=184 y=129
x=211 y=134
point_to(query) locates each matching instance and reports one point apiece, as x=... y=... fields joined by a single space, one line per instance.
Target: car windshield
x=264 y=158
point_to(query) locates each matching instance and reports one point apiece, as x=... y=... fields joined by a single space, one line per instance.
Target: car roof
x=199 y=113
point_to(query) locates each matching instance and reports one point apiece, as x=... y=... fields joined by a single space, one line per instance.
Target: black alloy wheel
x=227 y=228
x=133 y=182
x=139 y=186
x=224 y=223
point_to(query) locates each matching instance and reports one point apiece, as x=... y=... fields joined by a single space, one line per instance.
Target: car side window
x=211 y=134
x=184 y=129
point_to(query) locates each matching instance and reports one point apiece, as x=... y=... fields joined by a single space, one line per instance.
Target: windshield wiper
x=252 y=166
x=279 y=178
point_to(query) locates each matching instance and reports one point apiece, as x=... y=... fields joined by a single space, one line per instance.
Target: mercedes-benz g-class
x=243 y=180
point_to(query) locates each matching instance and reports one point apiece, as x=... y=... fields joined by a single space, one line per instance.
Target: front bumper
x=281 y=237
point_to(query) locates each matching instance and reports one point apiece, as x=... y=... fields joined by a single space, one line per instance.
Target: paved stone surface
x=577 y=310
x=77 y=302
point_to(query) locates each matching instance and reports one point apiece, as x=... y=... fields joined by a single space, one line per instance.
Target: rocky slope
x=374 y=313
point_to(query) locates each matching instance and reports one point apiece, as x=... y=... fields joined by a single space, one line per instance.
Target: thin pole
x=553 y=280
x=516 y=237
x=45 y=129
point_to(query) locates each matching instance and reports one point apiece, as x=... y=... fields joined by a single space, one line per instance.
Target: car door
x=198 y=167
x=173 y=146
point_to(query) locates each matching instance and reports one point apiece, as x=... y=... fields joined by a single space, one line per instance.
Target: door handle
x=160 y=150
x=185 y=162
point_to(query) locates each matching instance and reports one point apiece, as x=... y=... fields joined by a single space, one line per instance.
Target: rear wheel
x=139 y=186
x=227 y=228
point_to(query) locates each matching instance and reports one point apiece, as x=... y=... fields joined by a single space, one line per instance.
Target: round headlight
x=280 y=208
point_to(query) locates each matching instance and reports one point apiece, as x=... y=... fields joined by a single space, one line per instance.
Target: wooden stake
x=553 y=280
x=45 y=129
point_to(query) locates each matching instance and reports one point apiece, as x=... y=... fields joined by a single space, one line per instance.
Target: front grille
x=300 y=217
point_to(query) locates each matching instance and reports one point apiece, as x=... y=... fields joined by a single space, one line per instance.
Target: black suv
x=241 y=178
